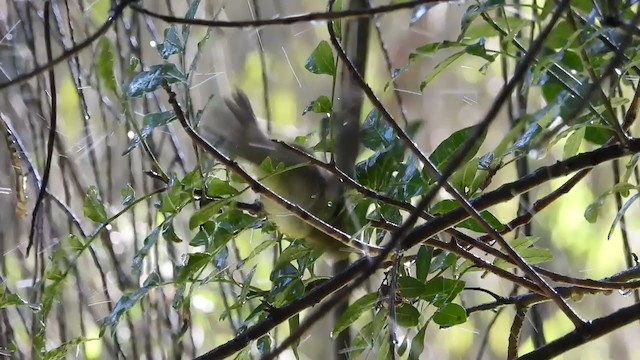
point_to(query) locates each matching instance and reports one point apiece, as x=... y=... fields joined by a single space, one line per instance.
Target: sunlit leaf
x=217 y=187
x=94 y=208
x=128 y=195
x=321 y=105
x=572 y=145
x=195 y=262
x=105 y=64
x=321 y=60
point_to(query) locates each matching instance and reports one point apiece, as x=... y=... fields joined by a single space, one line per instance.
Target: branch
x=507 y=191
x=586 y=333
x=573 y=292
x=314 y=16
x=53 y=126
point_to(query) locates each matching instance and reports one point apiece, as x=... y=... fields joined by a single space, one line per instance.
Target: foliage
x=202 y=211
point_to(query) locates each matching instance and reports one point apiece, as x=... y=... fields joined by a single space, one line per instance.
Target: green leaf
x=446 y=149
x=148 y=81
x=417 y=344
x=205 y=213
x=190 y=15
x=411 y=287
x=195 y=262
x=62 y=351
x=443 y=261
x=559 y=36
x=374 y=171
x=264 y=245
x=294 y=324
x=290 y=254
x=204 y=236
x=128 y=195
x=172 y=43
x=321 y=105
x=8 y=299
x=169 y=232
x=174 y=198
x=375 y=133
x=572 y=145
x=439 y=68
x=449 y=315
x=147 y=244
x=264 y=344
x=322 y=60
x=477 y=49
x=621 y=212
x=432 y=48
x=407 y=315
x=409 y=182
x=127 y=301
x=441 y=290
x=246 y=286
x=438 y=290
x=94 y=208
x=75 y=244
x=150 y=122
x=448 y=205
x=133 y=65
x=524 y=247
x=105 y=64
x=353 y=312
x=592 y=211
x=217 y=187
x=293 y=290
x=423 y=262
x=473 y=11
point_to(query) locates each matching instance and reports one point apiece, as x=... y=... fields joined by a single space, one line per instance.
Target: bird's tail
x=232 y=127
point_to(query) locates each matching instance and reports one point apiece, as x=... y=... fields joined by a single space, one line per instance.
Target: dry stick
x=259 y=188
x=114 y=14
x=514 y=332
x=344 y=132
x=52 y=126
x=314 y=16
x=502 y=96
x=566 y=291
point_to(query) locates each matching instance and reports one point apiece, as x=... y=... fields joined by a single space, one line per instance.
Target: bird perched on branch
x=232 y=127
